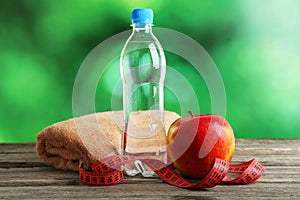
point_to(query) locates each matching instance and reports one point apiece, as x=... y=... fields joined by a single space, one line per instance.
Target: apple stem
x=191 y=113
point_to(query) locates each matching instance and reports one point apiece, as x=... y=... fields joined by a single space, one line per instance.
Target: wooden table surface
x=24 y=176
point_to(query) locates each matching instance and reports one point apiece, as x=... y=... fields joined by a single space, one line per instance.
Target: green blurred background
x=254 y=43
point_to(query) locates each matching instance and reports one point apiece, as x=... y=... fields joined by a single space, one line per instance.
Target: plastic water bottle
x=143 y=69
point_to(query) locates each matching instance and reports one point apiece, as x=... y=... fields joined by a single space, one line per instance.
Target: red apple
x=195 y=141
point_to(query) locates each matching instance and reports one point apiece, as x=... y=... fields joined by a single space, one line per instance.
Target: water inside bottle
x=154 y=152
x=143 y=71
x=144 y=135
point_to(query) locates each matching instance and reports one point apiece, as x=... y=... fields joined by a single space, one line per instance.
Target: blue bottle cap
x=142 y=15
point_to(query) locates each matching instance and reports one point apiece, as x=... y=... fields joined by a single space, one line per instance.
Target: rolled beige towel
x=85 y=139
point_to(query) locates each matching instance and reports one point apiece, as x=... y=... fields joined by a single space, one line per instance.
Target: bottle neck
x=142 y=28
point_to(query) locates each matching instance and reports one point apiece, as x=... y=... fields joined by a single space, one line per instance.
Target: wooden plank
x=42 y=176
x=23 y=175
x=268 y=143
x=244 y=150
x=153 y=191
x=50 y=176
x=29 y=157
x=17 y=147
x=244 y=145
x=285 y=144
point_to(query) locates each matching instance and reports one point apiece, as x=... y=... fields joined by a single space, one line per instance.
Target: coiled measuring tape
x=108 y=172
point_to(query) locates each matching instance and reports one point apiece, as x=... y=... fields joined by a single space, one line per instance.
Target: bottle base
x=138 y=167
